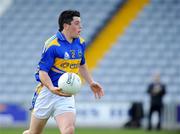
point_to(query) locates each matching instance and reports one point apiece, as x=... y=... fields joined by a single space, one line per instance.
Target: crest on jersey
x=66 y=55
x=80 y=53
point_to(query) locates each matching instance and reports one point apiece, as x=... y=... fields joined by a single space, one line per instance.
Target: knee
x=35 y=132
x=26 y=132
x=68 y=130
x=30 y=132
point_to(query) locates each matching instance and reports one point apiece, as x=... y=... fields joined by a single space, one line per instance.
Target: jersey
x=60 y=56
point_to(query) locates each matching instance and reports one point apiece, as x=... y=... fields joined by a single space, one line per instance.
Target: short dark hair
x=66 y=17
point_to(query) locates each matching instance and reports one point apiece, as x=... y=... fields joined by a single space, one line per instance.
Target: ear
x=65 y=26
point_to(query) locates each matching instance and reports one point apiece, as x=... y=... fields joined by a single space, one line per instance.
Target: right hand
x=59 y=92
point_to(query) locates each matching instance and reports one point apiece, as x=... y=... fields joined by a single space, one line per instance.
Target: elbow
x=42 y=74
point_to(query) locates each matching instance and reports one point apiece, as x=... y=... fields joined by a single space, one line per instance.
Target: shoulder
x=52 y=41
x=82 y=43
x=151 y=84
x=81 y=40
x=163 y=85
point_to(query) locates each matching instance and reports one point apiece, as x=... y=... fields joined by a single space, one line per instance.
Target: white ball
x=70 y=83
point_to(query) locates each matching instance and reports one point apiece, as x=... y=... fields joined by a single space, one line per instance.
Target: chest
x=69 y=51
x=157 y=88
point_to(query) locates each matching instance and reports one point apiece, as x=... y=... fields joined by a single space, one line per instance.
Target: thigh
x=65 y=120
x=64 y=105
x=43 y=107
x=37 y=125
x=159 y=109
x=151 y=110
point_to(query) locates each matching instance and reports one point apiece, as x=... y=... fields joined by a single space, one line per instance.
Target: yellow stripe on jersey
x=51 y=41
x=56 y=70
x=81 y=40
x=69 y=65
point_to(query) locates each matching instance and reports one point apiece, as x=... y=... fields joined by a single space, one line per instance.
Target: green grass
x=91 y=131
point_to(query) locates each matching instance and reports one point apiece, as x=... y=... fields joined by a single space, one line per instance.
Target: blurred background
x=127 y=42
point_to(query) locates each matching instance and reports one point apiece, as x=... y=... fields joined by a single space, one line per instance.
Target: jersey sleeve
x=83 y=60
x=47 y=59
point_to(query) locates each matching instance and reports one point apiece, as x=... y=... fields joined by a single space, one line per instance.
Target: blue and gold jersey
x=60 y=56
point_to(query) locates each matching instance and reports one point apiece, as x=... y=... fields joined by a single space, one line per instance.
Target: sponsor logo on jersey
x=66 y=55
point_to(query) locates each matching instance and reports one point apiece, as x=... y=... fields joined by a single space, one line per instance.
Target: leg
x=159 y=110
x=66 y=122
x=36 y=125
x=42 y=105
x=149 y=118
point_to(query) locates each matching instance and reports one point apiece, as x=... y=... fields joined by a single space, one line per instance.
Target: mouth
x=79 y=32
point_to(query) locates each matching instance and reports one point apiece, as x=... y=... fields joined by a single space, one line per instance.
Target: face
x=157 y=77
x=75 y=27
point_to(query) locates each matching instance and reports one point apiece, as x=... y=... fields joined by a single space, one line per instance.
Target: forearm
x=45 y=79
x=83 y=70
x=95 y=87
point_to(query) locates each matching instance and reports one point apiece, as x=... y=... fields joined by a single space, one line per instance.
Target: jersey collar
x=60 y=36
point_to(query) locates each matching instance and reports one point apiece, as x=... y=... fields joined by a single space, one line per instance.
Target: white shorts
x=48 y=104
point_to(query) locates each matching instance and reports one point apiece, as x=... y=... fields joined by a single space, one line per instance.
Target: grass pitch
x=92 y=131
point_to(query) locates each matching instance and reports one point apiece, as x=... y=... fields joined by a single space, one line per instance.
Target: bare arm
x=95 y=87
x=46 y=81
x=83 y=70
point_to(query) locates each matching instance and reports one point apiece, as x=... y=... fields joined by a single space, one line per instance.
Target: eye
x=77 y=23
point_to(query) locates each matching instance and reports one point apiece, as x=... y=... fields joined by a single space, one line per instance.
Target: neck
x=67 y=36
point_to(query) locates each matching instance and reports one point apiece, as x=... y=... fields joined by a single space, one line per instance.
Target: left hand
x=97 y=90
